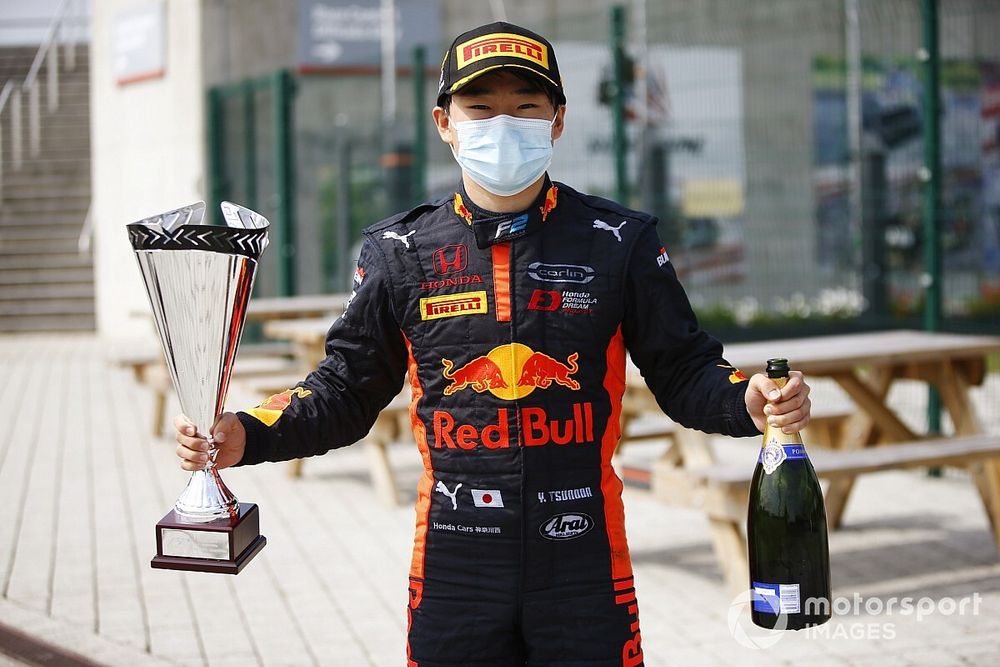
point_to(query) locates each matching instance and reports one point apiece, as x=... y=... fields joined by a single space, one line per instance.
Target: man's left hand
x=787 y=408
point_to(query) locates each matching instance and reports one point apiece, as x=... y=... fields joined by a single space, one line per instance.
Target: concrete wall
x=149 y=138
x=148 y=153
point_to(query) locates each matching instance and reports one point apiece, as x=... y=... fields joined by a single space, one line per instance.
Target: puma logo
x=600 y=224
x=441 y=488
x=404 y=239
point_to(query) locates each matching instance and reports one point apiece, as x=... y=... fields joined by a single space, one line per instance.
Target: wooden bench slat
x=829 y=464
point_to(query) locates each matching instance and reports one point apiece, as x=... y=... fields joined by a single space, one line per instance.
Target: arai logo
x=566 y=526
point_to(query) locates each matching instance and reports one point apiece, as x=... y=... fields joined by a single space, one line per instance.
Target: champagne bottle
x=786 y=531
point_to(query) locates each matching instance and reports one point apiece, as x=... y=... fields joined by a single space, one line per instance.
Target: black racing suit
x=513 y=331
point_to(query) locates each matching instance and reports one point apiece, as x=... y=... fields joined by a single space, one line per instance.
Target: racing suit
x=512 y=330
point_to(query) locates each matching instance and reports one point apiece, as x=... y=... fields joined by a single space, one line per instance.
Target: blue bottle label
x=775 y=598
x=773 y=455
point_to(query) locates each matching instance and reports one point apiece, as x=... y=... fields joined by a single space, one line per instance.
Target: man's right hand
x=228 y=434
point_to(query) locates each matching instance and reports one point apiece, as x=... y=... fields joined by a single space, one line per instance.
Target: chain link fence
x=780 y=142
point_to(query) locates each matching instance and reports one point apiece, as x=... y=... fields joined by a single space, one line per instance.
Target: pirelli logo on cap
x=453 y=305
x=501 y=44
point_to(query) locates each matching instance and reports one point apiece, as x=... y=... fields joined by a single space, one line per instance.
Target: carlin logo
x=511 y=372
x=560 y=273
x=453 y=305
x=566 y=526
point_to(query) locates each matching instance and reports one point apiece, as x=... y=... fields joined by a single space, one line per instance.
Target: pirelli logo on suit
x=453 y=305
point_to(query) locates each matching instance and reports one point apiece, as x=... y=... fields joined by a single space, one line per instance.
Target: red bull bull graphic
x=461 y=211
x=511 y=372
x=541 y=370
x=271 y=409
x=736 y=376
x=482 y=374
x=551 y=199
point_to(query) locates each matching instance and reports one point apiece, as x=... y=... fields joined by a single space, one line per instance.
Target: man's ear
x=559 y=123
x=443 y=124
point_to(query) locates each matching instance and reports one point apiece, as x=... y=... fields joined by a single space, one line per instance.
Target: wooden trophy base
x=223 y=546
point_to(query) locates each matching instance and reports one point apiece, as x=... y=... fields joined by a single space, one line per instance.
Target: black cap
x=496 y=45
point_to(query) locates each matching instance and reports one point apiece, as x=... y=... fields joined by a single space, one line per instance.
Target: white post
x=499 y=11
x=1 y=163
x=16 y=144
x=34 y=121
x=854 y=122
x=53 y=79
x=388 y=64
x=69 y=31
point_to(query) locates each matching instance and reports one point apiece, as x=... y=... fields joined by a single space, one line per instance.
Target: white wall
x=148 y=153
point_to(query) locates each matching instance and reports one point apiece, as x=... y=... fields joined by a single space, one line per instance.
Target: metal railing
x=60 y=32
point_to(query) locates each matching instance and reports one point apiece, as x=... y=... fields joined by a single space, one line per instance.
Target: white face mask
x=504 y=154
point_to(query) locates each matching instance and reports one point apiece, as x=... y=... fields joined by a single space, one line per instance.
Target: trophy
x=198 y=278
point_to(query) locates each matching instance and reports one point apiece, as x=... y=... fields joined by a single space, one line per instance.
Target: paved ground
x=82 y=485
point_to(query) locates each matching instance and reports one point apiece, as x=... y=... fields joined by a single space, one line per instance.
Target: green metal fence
x=784 y=144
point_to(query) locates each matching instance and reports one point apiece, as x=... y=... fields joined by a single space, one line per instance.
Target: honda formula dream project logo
x=510 y=372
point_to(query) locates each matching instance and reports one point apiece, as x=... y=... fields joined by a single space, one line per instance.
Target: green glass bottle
x=786 y=531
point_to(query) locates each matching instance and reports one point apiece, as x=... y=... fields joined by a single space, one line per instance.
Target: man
x=510 y=306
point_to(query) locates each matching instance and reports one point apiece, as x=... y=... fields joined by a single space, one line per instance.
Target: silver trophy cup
x=198 y=278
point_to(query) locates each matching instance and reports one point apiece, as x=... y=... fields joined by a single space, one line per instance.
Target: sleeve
x=681 y=364
x=338 y=402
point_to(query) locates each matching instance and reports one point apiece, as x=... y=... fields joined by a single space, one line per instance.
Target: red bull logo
x=538 y=428
x=551 y=199
x=461 y=211
x=511 y=372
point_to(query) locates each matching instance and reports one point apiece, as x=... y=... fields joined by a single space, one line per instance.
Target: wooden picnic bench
x=723 y=488
x=865 y=366
x=266 y=358
x=148 y=369
x=391 y=425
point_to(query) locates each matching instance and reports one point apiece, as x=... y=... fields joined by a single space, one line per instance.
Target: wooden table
x=296 y=307
x=307 y=336
x=865 y=366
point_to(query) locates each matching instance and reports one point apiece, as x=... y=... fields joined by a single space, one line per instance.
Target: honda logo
x=451 y=259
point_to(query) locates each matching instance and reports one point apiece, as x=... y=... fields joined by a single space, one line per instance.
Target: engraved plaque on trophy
x=198 y=278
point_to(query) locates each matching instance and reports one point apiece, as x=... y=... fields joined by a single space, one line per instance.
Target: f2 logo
x=512 y=227
x=547 y=301
x=451 y=259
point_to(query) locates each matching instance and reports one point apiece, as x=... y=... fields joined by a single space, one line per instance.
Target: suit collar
x=491 y=228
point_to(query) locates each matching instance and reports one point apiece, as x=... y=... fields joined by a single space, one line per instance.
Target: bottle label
x=775 y=598
x=773 y=455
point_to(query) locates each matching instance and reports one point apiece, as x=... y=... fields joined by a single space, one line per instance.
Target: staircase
x=46 y=283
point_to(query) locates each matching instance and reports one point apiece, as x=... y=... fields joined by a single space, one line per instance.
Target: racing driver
x=509 y=307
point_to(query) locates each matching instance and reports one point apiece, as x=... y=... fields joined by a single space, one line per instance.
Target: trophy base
x=223 y=546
